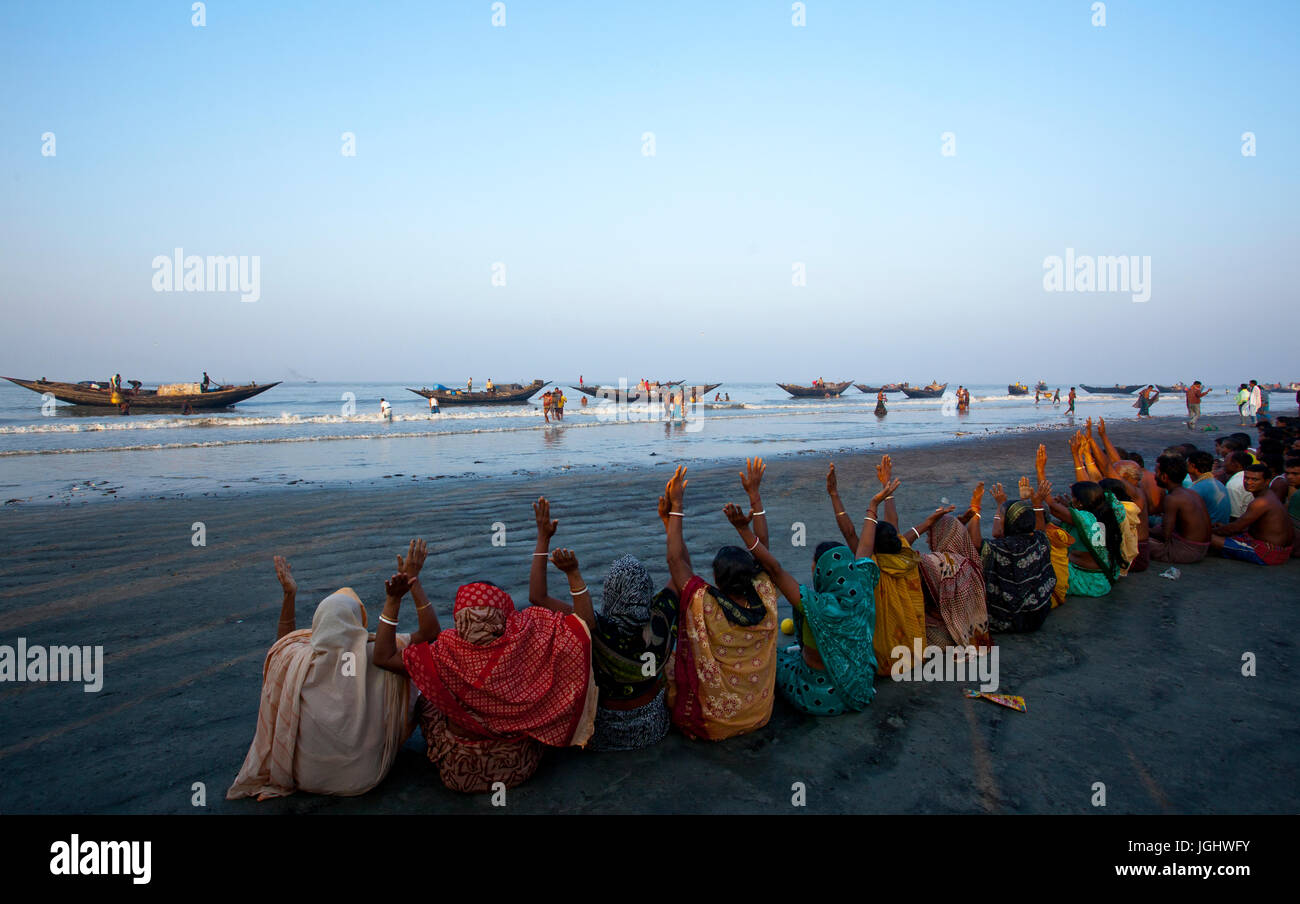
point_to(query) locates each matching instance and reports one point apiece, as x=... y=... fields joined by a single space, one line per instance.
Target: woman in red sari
x=500 y=685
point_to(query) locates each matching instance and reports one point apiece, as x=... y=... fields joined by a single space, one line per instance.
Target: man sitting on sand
x=1200 y=467
x=1183 y=535
x=1293 y=492
x=1264 y=535
x=1239 y=497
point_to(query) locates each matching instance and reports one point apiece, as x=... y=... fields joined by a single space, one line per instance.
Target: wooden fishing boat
x=1017 y=389
x=1280 y=387
x=700 y=391
x=1177 y=387
x=629 y=393
x=872 y=390
x=89 y=393
x=933 y=391
x=505 y=394
x=1041 y=386
x=1112 y=390
x=816 y=392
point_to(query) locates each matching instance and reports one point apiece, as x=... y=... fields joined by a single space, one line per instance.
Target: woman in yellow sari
x=900 y=603
x=722 y=675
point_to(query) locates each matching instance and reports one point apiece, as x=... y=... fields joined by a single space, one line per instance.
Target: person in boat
x=717 y=396
x=330 y=720
x=1263 y=534
x=580 y=383
x=488 y=387
x=899 y=599
x=207 y=382
x=722 y=675
x=881 y=410
x=385 y=409
x=1091 y=517
x=1183 y=534
x=469 y=385
x=1019 y=575
x=499 y=686
x=633 y=634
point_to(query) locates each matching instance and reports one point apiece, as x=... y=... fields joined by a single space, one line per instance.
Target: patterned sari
x=723 y=674
x=1018 y=574
x=955 y=577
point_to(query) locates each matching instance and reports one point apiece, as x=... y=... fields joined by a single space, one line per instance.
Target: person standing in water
x=1056 y=399
x=1072 y=397
x=433 y=406
x=385 y=410
x=881 y=410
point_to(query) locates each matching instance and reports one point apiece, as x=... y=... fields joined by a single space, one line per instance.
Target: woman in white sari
x=330 y=721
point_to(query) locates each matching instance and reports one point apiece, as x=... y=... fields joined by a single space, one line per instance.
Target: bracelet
x=1037 y=509
x=542 y=554
x=1077 y=468
x=914 y=531
x=678 y=514
x=760 y=512
x=425 y=606
x=872 y=520
x=999 y=517
x=578 y=592
x=751 y=549
x=887 y=498
x=975 y=515
x=388 y=621
x=839 y=513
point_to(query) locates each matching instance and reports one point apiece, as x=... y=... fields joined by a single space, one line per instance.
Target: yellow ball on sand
x=787 y=626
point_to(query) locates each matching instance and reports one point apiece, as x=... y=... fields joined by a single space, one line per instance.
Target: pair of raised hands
x=751 y=480
x=884 y=473
x=564 y=559
x=408 y=568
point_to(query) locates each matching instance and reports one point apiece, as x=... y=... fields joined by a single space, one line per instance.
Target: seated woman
x=330 y=722
x=899 y=600
x=953 y=578
x=833 y=670
x=1019 y=579
x=500 y=685
x=633 y=635
x=1090 y=516
x=721 y=678
x=1128 y=526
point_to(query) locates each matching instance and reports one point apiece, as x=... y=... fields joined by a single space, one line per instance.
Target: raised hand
x=885 y=491
x=1065 y=500
x=1040 y=462
x=284 y=572
x=542 y=512
x=565 y=559
x=1026 y=490
x=737 y=516
x=832 y=483
x=885 y=470
x=1101 y=426
x=676 y=488
x=397 y=586
x=999 y=494
x=977 y=497
x=1087 y=425
x=1042 y=492
x=414 y=561
x=752 y=476
x=663 y=510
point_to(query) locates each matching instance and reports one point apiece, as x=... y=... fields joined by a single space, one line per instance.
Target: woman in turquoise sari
x=1092 y=517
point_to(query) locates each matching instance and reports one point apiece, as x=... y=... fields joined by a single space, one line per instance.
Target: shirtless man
x=1149 y=486
x=1183 y=535
x=546 y=405
x=1262 y=536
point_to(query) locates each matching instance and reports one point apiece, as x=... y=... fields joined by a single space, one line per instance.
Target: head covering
x=841 y=610
x=330 y=721
x=1018 y=574
x=735 y=571
x=953 y=573
x=625 y=601
x=501 y=674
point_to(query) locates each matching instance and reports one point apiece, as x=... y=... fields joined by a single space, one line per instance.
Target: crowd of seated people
x=499 y=686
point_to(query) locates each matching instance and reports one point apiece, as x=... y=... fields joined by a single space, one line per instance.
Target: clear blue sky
x=774 y=144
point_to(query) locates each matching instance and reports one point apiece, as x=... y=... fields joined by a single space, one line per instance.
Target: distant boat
x=1113 y=390
x=505 y=394
x=630 y=393
x=1018 y=389
x=816 y=392
x=701 y=390
x=91 y=393
x=1041 y=386
x=1280 y=387
x=1177 y=387
x=933 y=391
x=888 y=387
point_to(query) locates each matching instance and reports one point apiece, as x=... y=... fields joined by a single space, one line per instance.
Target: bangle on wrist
x=388 y=621
x=751 y=549
x=837 y=514
x=579 y=592
x=678 y=514
x=760 y=512
x=543 y=554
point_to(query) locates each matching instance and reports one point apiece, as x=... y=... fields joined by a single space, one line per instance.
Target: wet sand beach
x=1142 y=690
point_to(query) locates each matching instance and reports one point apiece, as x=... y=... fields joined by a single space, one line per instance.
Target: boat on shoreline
x=99 y=395
x=933 y=391
x=1112 y=390
x=872 y=390
x=506 y=394
x=816 y=392
x=1041 y=386
x=1176 y=387
x=1018 y=389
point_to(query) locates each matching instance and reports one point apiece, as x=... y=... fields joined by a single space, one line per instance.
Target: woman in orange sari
x=722 y=675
